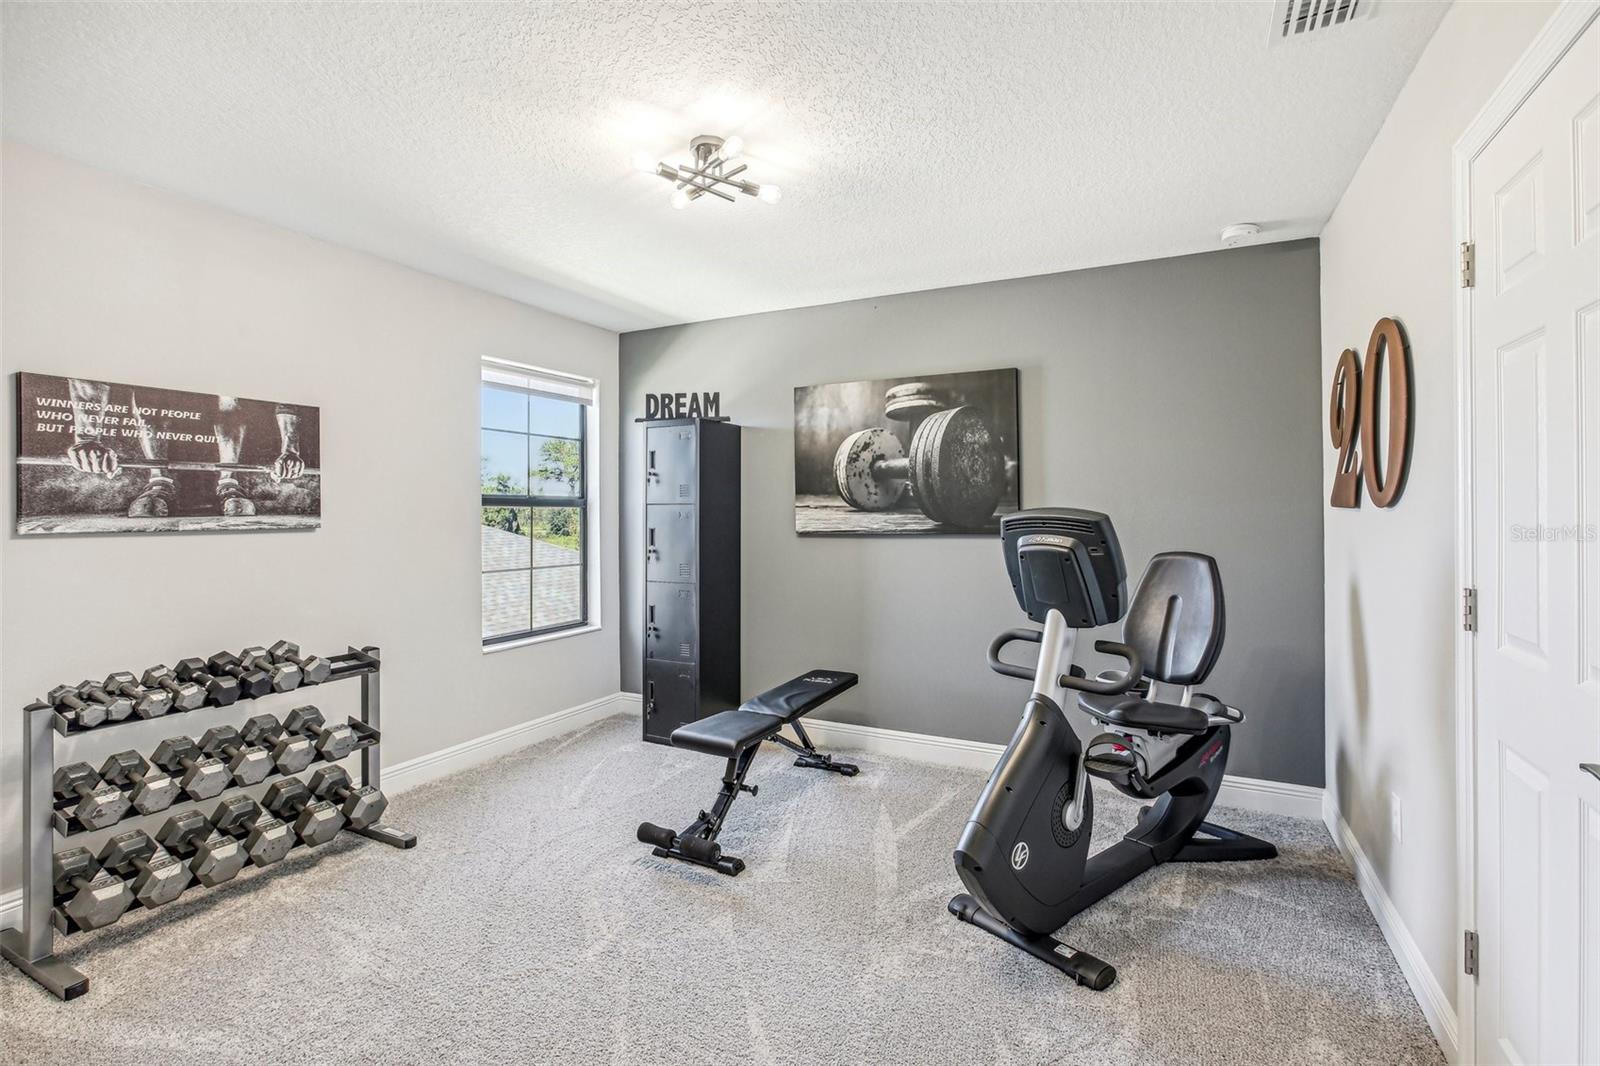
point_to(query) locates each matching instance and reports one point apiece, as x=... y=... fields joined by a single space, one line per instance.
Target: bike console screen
x=1065 y=559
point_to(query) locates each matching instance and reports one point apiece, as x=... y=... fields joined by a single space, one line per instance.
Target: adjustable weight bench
x=737 y=736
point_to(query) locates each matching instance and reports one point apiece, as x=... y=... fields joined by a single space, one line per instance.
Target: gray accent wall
x=1182 y=396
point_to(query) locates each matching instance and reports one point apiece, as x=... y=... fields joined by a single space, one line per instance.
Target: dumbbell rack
x=31 y=948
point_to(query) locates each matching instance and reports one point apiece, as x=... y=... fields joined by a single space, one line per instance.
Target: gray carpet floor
x=529 y=926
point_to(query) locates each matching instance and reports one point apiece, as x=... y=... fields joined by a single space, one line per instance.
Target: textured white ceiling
x=918 y=145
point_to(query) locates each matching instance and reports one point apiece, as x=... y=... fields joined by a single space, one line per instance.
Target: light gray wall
x=110 y=279
x=1393 y=602
x=1182 y=396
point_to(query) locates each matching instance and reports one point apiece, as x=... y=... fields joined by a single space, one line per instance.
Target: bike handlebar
x=1032 y=636
x=1109 y=688
x=1080 y=684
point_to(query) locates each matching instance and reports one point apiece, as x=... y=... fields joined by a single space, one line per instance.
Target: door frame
x=1557 y=37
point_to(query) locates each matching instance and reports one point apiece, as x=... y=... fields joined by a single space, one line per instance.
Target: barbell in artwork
x=102 y=457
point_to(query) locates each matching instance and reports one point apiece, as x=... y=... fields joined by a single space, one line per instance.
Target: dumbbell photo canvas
x=103 y=457
x=932 y=454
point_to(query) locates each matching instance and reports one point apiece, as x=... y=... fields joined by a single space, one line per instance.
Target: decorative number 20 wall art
x=1353 y=418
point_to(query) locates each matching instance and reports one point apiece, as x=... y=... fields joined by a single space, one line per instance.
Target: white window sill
x=489 y=649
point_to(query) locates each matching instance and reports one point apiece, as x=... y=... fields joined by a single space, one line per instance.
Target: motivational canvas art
x=103 y=457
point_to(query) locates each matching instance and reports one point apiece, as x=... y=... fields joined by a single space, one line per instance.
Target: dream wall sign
x=658 y=405
x=102 y=457
x=1353 y=418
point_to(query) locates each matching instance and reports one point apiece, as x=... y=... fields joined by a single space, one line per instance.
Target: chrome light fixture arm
x=709 y=173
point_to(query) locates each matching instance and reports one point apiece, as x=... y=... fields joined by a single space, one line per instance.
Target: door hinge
x=1471 y=955
x=1469 y=263
x=1469 y=610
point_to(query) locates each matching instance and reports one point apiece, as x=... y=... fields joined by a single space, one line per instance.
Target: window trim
x=585 y=622
x=557 y=634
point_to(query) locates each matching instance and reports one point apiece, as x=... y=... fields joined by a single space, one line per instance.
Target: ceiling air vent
x=1297 y=19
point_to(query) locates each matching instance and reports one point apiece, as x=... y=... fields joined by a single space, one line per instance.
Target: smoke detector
x=1239 y=233
x=1294 y=20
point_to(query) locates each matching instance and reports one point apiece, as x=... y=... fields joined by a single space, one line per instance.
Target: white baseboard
x=1270 y=797
x=918 y=747
x=413 y=772
x=1436 y=1005
x=1248 y=793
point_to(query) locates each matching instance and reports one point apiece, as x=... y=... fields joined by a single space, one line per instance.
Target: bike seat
x=726 y=734
x=1130 y=711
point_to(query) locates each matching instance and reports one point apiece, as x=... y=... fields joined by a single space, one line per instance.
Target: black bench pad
x=805 y=693
x=730 y=732
x=726 y=734
x=1128 y=710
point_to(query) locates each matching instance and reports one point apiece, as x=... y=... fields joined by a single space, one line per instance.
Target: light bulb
x=732 y=147
x=644 y=162
x=770 y=194
x=680 y=199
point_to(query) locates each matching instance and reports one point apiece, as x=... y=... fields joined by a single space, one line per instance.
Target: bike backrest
x=1176 y=619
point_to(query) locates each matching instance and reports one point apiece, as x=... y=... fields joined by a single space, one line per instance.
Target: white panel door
x=1536 y=504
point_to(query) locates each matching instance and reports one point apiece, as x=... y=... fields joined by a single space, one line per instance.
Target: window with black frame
x=534 y=431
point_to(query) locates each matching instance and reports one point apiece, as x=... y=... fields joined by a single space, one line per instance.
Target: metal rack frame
x=31 y=948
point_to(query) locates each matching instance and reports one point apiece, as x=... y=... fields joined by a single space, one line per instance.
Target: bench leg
x=698 y=841
x=808 y=754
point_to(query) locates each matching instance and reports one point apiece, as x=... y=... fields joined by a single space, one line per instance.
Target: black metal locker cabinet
x=691 y=589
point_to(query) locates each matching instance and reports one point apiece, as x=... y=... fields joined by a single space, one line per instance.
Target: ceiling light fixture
x=712 y=172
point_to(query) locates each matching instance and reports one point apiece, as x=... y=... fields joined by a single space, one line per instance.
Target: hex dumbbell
x=220 y=690
x=290 y=751
x=266 y=838
x=333 y=742
x=147 y=702
x=314 y=669
x=99 y=803
x=248 y=764
x=285 y=676
x=954 y=467
x=90 y=896
x=316 y=821
x=186 y=695
x=151 y=792
x=198 y=774
x=72 y=707
x=155 y=875
x=213 y=857
x=252 y=683
x=118 y=708
x=361 y=807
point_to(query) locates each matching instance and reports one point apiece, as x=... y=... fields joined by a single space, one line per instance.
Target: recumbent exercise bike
x=1024 y=855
